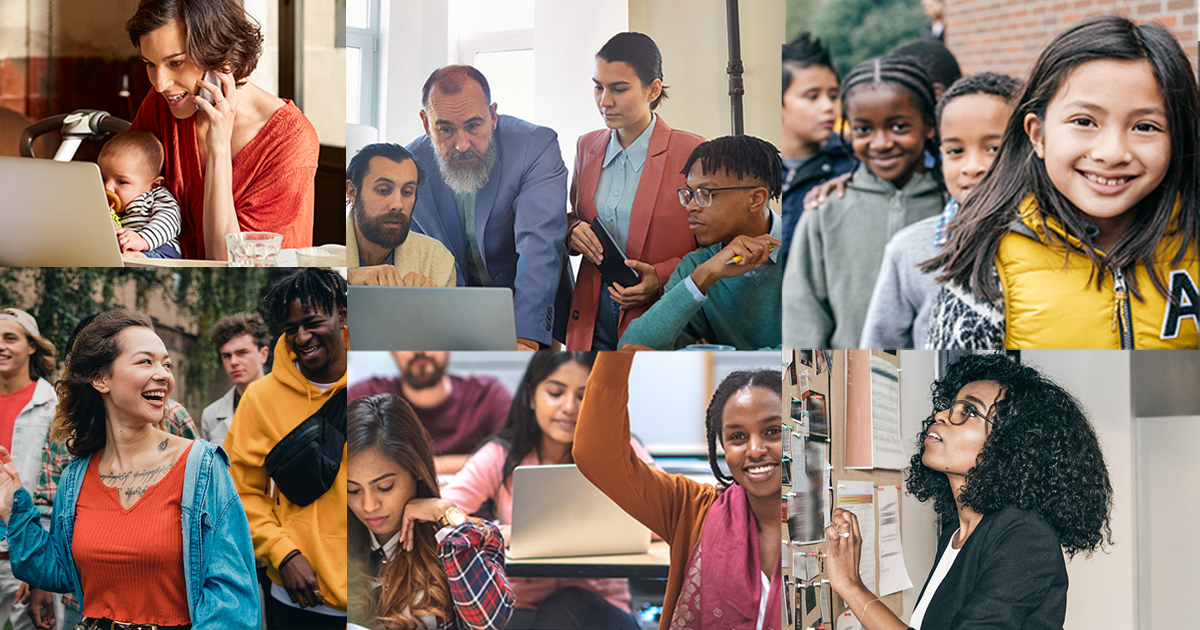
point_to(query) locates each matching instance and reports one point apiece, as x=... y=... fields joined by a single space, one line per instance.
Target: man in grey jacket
x=244 y=344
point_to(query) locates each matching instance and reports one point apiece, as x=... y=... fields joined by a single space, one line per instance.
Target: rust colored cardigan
x=658 y=228
x=672 y=506
x=273 y=174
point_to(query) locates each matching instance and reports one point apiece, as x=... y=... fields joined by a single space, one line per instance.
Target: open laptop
x=558 y=513
x=431 y=318
x=54 y=214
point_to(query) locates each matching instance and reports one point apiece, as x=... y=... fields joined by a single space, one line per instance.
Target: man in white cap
x=27 y=404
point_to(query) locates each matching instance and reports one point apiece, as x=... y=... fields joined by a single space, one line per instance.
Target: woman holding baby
x=241 y=159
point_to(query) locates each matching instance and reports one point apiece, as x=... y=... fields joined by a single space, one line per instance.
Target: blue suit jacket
x=520 y=223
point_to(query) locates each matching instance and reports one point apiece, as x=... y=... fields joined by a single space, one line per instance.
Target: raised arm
x=604 y=455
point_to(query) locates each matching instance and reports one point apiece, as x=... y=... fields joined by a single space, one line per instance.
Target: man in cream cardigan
x=381 y=185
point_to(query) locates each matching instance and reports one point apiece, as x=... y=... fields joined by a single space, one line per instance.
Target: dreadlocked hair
x=908 y=74
x=742 y=157
x=714 y=418
x=315 y=288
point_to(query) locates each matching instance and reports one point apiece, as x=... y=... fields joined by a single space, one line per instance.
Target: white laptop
x=54 y=214
x=558 y=513
x=431 y=318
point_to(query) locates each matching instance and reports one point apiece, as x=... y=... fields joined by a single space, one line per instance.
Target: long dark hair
x=1042 y=454
x=969 y=255
x=80 y=417
x=714 y=418
x=414 y=583
x=908 y=75
x=521 y=433
x=641 y=53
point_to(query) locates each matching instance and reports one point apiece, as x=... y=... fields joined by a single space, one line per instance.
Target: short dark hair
x=218 y=32
x=934 y=58
x=641 y=53
x=449 y=80
x=714 y=418
x=148 y=148
x=314 y=287
x=999 y=85
x=239 y=324
x=740 y=156
x=803 y=52
x=361 y=162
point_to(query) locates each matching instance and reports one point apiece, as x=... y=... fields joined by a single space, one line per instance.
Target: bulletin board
x=817 y=391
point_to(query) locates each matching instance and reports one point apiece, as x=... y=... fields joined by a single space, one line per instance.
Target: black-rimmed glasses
x=963 y=410
x=703 y=196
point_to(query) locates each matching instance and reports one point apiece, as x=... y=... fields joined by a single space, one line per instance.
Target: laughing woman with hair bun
x=136 y=506
x=1017 y=477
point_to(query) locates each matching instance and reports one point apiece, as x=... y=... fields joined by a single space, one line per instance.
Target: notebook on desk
x=54 y=214
x=431 y=318
x=558 y=513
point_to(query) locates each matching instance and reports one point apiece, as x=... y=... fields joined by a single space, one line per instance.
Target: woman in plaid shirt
x=416 y=560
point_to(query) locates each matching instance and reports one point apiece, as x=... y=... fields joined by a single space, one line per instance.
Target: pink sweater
x=479 y=480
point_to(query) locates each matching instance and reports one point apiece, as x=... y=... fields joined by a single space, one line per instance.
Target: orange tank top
x=131 y=560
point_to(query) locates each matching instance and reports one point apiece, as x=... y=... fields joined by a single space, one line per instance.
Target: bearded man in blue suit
x=496 y=197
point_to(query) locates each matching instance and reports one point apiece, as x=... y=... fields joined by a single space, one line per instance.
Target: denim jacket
x=218 y=556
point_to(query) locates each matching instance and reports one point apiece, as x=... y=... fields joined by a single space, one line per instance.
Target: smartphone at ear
x=211 y=77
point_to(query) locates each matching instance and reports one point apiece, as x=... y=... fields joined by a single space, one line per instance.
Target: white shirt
x=762 y=600
x=939 y=574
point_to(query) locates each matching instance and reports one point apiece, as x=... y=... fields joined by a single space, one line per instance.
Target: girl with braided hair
x=1017 y=477
x=838 y=247
x=725 y=564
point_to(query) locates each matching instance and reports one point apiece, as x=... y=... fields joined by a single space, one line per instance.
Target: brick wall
x=1007 y=36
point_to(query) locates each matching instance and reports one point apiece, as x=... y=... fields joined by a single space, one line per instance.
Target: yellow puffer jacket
x=1051 y=300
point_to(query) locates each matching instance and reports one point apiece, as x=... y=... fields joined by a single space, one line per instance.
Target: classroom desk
x=655 y=563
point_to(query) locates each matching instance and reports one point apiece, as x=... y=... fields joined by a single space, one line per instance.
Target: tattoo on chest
x=162 y=446
x=132 y=484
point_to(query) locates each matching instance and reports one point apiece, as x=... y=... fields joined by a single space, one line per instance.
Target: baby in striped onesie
x=131 y=167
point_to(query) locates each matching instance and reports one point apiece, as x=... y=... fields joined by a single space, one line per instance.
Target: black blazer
x=1010 y=574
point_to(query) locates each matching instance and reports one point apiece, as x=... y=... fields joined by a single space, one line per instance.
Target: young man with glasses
x=728 y=291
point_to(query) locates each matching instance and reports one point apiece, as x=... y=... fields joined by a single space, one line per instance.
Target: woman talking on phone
x=238 y=158
x=626 y=180
x=1017 y=477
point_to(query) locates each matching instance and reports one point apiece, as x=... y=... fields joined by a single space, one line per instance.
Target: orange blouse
x=131 y=560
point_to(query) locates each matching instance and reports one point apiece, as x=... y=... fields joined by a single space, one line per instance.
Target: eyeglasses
x=962 y=410
x=703 y=196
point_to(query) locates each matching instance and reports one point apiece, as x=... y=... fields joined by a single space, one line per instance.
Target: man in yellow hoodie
x=302 y=542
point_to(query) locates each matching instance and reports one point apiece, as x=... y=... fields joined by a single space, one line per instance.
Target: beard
x=373 y=229
x=464 y=178
x=426 y=378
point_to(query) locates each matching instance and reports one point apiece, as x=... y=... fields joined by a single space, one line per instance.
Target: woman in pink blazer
x=626 y=177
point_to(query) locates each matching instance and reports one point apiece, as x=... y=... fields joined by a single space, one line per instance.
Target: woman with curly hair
x=416 y=560
x=1017 y=477
x=136 y=506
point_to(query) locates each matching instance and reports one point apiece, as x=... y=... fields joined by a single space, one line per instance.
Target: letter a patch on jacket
x=1184 y=304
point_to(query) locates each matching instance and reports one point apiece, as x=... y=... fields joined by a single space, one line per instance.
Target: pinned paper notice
x=893 y=576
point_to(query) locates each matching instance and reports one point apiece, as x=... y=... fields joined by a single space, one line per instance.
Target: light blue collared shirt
x=776 y=230
x=618 y=182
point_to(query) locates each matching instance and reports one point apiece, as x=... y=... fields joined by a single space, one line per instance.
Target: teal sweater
x=744 y=312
